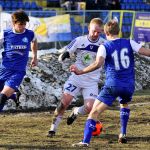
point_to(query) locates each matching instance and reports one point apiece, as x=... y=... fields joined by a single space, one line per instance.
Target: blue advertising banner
x=142 y=27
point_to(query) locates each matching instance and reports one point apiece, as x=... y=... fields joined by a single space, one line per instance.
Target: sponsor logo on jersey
x=87 y=59
x=18 y=46
x=25 y=40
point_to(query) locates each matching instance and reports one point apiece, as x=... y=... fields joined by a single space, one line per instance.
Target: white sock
x=54 y=125
x=80 y=110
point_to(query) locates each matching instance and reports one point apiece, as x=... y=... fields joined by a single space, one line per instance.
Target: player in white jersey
x=85 y=48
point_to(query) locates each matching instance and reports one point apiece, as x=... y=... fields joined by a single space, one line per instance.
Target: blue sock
x=124 y=117
x=13 y=96
x=89 y=127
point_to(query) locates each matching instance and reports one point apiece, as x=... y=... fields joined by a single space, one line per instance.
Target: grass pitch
x=22 y=131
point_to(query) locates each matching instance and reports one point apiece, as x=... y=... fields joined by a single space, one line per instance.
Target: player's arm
x=69 y=49
x=100 y=59
x=34 y=47
x=144 y=51
x=139 y=49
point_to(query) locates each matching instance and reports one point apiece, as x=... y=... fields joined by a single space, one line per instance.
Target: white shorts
x=75 y=85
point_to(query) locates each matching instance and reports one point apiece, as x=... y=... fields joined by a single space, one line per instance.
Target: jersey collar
x=91 y=40
x=17 y=32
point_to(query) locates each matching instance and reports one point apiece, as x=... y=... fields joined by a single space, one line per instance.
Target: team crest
x=87 y=59
x=91 y=47
x=25 y=40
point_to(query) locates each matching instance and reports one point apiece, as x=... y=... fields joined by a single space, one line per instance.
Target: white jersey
x=86 y=51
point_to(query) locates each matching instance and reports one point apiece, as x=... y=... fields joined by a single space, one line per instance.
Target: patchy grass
x=28 y=130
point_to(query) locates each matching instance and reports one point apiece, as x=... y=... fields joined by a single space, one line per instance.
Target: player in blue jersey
x=85 y=48
x=17 y=43
x=117 y=54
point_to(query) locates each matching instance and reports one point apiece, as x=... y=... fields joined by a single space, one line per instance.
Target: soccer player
x=118 y=56
x=17 y=42
x=85 y=48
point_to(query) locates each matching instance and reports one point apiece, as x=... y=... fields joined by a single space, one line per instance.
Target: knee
x=88 y=106
x=88 y=109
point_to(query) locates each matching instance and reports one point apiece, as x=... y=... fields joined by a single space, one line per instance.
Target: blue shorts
x=108 y=94
x=11 y=78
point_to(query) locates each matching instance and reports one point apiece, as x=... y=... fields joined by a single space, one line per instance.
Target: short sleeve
x=101 y=51
x=135 y=46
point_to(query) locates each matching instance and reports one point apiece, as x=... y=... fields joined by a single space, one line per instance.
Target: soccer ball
x=98 y=129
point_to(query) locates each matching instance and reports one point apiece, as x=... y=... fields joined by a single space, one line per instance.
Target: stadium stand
x=138 y=5
x=80 y=17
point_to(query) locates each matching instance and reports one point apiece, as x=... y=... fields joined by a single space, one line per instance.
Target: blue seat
x=33 y=6
x=137 y=7
x=15 y=6
x=20 y=5
x=132 y=7
x=123 y=6
x=27 y=5
x=8 y=5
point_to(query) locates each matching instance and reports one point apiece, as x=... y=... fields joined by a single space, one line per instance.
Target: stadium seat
x=27 y=5
x=33 y=6
x=19 y=5
x=8 y=6
x=15 y=6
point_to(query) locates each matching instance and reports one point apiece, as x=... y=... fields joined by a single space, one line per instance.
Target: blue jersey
x=16 y=49
x=119 y=63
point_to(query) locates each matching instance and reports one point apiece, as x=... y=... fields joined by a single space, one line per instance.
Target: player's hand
x=73 y=68
x=63 y=56
x=33 y=63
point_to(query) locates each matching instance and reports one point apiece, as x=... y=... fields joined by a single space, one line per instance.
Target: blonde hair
x=97 y=21
x=112 y=27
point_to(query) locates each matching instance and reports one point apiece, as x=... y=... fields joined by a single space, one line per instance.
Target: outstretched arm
x=97 y=64
x=144 y=51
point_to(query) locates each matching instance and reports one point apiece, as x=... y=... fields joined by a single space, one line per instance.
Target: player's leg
x=89 y=94
x=15 y=97
x=2 y=99
x=70 y=90
x=82 y=110
x=90 y=124
x=125 y=97
x=104 y=99
x=4 y=95
x=124 y=117
x=12 y=81
x=58 y=113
